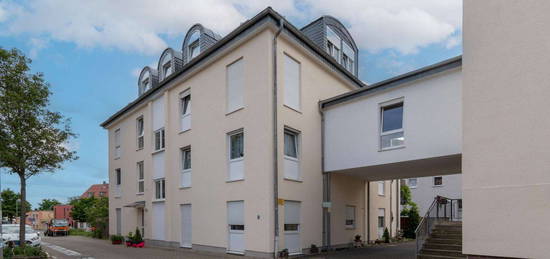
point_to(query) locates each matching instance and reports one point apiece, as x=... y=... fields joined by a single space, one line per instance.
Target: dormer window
x=194 y=46
x=146 y=85
x=167 y=69
x=333 y=44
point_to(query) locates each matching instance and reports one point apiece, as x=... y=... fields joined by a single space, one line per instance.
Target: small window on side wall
x=159 y=140
x=438 y=181
x=292 y=156
x=391 y=128
x=236 y=155
x=140 y=131
x=185 y=104
x=412 y=182
x=350 y=216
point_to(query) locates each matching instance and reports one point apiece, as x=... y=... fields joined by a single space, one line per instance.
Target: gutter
x=275 y=145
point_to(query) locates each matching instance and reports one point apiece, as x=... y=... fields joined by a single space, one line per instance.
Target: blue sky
x=86 y=50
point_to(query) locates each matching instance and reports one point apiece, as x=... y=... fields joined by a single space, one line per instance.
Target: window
x=140 y=131
x=101 y=194
x=392 y=126
x=117 y=143
x=348 y=54
x=350 y=216
x=236 y=155
x=381 y=185
x=459 y=204
x=381 y=217
x=292 y=83
x=185 y=102
x=186 y=167
x=90 y=194
x=412 y=182
x=291 y=159
x=333 y=44
x=140 y=177
x=167 y=69
x=292 y=216
x=145 y=84
x=159 y=140
x=438 y=180
x=194 y=45
x=160 y=186
x=235 y=216
x=235 y=86
x=118 y=176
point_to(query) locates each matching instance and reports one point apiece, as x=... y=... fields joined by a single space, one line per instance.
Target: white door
x=235 y=221
x=292 y=227
x=119 y=221
x=381 y=222
x=158 y=221
x=186 y=226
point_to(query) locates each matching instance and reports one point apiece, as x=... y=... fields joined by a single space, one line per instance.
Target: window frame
x=118 y=177
x=183 y=169
x=434 y=181
x=140 y=139
x=353 y=220
x=140 y=177
x=409 y=183
x=381 y=191
x=167 y=67
x=382 y=133
x=296 y=135
x=194 y=46
x=160 y=190
x=118 y=143
x=185 y=104
x=230 y=135
x=162 y=139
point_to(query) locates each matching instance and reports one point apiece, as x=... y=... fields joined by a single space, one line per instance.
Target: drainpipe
x=326 y=186
x=275 y=145
x=368 y=211
x=391 y=208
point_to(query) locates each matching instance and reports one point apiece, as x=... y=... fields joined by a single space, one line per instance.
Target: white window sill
x=292 y=158
x=412 y=187
x=294 y=109
x=139 y=149
x=436 y=186
x=234 y=111
x=140 y=193
x=183 y=131
x=184 y=187
x=236 y=180
x=236 y=159
x=159 y=200
x=293 y=180
x=157 y=151
x=116 y=158
x=381 y=195
x=391 y=148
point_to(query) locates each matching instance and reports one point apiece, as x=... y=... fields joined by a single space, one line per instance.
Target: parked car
x=57 y=227
x=10 y=233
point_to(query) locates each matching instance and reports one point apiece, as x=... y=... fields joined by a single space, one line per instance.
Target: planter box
x=116 y=242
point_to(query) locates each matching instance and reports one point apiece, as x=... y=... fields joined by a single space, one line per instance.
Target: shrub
x=413 y=220
x=115 y=238
x=386 y=236
x=80 y=232
x=137 y=238
x=24 y=251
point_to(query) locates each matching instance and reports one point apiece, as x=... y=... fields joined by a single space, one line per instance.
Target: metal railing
x=442 y=209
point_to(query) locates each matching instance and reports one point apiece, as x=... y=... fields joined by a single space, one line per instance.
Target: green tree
x=47 y=204
x=81 y=207
x=33 y=139
x=98 y=217
x=410 y=210
x=11 y=204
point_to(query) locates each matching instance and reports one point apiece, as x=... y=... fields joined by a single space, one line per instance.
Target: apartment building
x=222 y=149
x=425 y=189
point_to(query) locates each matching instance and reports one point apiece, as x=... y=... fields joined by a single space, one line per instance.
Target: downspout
x=368 y=211
x=326 y=186
x=391 y=208
x=275 y=145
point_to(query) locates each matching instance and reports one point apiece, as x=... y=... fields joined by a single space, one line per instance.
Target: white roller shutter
x=235 y=86
x=292 y=212
x=158 y=165
x=158 y=221
x=158 y=113
x=235 y=213
x=292 y=83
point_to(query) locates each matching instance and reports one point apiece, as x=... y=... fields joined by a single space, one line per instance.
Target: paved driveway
x=71 y=247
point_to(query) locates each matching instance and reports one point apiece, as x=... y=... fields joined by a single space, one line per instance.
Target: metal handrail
x=432 y=216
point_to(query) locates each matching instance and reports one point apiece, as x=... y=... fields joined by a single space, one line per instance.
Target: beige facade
x=211 y=188
x=505 y=162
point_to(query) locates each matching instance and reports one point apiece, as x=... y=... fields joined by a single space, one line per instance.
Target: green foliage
x=11 y=205
x=98 y=216
x=115 y=238
x=386 y=236
x=47 y=204
x=81 y=208
x=33 y=139
x=24 y=251
x=80 y=232
x=413 y=220
x=406 y=197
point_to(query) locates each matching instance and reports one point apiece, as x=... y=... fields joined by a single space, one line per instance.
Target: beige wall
x=506 y=165
x=347 y=191
x=383 y=201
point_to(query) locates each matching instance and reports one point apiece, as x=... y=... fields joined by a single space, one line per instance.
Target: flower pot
x=116 y=242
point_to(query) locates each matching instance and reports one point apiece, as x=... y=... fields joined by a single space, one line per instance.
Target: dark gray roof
x=267 y=15
x=395 y=81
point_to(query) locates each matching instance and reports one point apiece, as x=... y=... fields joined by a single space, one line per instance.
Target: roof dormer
x=196 y=41
x=332 y=36
x=148 y=78
x=170 y=61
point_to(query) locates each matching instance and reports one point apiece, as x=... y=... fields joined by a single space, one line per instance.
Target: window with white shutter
x=235 y=86
x=292 y=83
x=117 y=144
x=350 y=216
x=186 y=167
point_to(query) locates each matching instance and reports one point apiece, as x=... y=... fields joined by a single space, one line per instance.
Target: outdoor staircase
x=445 y=242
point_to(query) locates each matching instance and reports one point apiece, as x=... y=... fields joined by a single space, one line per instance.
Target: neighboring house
x=38 y=219
x=63 y=212
x=425 y=189
x=97 y=191
x=223 y=148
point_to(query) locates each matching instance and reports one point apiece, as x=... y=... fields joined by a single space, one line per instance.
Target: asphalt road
x=71 y=247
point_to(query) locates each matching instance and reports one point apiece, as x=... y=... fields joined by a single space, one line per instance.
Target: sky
x=88 y=48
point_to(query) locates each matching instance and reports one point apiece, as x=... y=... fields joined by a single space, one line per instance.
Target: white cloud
x=139 y=26
x=453 y=41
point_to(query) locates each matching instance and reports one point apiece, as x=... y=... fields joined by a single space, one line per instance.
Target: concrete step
x=447 y=236
x=447 y=231
x=433 y=240
x=453 y=247
x=440 y=252
x=425 y=256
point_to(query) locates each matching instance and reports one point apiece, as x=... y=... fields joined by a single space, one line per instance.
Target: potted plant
x=129 y=239
x=283 y=253
x=137 y=239
x=117 y=239
x=386 y=236
x=357 y=242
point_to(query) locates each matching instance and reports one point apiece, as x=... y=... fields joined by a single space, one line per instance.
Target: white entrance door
x=292 y=227
x=119 y=221
x=158 y=221
x=235 y=221
x=381 y=222
x=186 y=226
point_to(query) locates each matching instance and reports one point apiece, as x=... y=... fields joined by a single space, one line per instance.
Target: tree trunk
x=22 y=212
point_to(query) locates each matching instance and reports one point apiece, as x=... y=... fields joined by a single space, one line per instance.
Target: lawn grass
x=80 y=232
